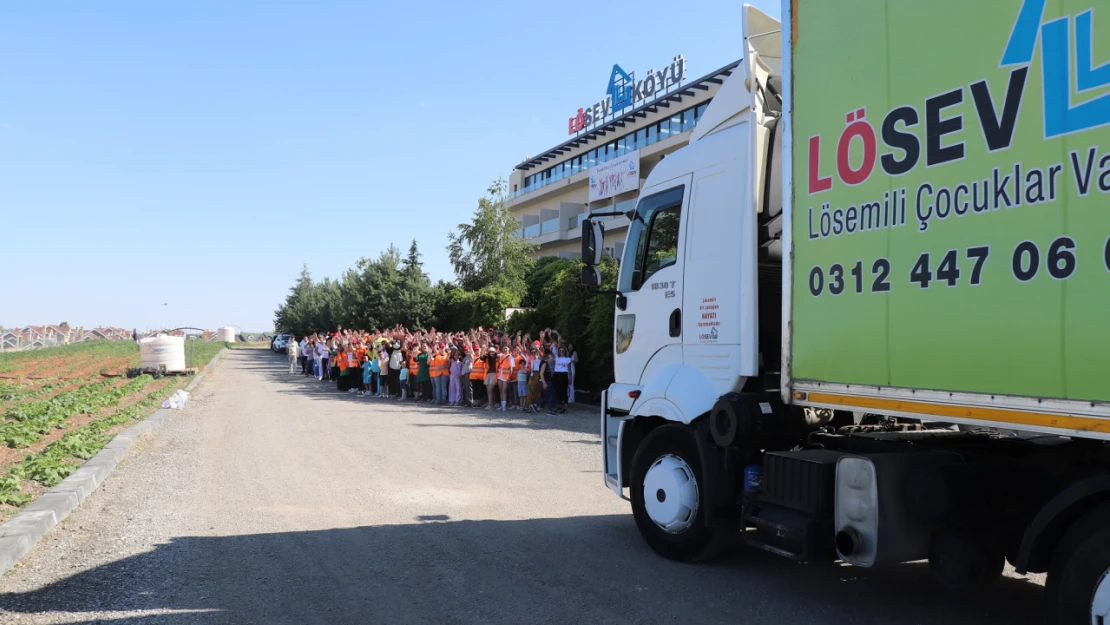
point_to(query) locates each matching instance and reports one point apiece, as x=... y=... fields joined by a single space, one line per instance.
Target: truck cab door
x=721 y=272
x=648 y=330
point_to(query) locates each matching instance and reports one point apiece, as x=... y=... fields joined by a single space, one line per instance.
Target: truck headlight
x=625 y=325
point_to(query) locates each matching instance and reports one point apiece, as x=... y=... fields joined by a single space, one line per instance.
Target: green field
x=60 y=405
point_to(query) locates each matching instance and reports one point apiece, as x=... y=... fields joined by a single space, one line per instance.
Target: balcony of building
x=550 y=227
x=552 y=223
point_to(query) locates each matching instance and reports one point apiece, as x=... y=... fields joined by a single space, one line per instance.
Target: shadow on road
x=589 y=569
x=275 y=368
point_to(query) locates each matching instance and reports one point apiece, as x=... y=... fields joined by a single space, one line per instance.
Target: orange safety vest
x=504 y=367
x=341 y=360
x=435 y=366
x=478 y=370
x=414 y=367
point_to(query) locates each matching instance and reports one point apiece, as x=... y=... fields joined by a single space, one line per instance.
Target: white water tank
x=226 y=334
x=166 y=353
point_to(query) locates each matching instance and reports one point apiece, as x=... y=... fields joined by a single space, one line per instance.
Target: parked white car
x=280 y=342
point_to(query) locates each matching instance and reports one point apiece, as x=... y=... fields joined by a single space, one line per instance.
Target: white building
x=610 y=150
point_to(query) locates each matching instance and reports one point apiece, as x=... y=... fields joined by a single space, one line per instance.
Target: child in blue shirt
x=375 y=374
x=367 y=377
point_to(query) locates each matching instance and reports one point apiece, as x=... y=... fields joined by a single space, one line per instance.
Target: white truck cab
x=687 y=321
x=707 y=434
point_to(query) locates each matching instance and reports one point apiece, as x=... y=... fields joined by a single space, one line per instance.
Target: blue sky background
x=198 y=153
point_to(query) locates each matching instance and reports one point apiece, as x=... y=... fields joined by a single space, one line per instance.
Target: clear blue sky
x=198 y=153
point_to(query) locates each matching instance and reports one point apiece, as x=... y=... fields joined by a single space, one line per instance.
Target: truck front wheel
x=1078 y=587
x=668 y=495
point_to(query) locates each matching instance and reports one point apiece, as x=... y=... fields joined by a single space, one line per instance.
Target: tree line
x=494 y=270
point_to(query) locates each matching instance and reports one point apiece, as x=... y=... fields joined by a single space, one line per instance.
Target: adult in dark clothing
x=547 y=374
x=423 y=374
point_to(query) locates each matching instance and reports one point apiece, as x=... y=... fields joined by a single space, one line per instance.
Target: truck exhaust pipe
x=848 y=541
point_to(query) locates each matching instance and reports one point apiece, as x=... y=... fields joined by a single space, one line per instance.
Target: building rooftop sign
x=625 y=91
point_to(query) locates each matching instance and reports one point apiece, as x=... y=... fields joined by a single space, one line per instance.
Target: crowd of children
x=480 y=368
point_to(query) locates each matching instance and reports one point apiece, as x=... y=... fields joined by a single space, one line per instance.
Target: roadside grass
x=254 y=345
x=65 y=360
x=100 y=350
x=203 y=351
x=77 y=359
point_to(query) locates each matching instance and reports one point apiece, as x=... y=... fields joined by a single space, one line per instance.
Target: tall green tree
x=411 y=265
x=488 y=250
x=294 y=314
x=415 y=297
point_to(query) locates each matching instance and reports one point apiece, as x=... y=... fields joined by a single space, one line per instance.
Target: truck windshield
x=652 y=237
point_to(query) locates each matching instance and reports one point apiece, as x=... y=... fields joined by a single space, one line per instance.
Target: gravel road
x=274 y=500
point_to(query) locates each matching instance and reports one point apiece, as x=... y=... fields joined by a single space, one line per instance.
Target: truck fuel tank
x=874 y=523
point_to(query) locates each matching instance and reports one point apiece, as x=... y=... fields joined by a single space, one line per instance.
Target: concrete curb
x=26 y=528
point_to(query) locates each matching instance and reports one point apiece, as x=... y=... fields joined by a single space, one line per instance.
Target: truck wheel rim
x=1100 y=602
x=671 y=494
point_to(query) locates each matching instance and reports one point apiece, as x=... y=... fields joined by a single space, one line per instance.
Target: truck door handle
x=675 y=326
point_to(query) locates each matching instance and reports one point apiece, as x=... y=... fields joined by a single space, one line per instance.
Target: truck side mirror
x=591 y=276
x=593 y=234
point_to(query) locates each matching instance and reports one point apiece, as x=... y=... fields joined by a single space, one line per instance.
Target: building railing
x=665 y=129
x=552 y=225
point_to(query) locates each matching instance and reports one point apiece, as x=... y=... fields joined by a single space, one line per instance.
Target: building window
x=680 y=121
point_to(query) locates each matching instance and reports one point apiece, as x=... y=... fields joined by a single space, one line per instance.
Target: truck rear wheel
x=1078 y=587
x=668 y=495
